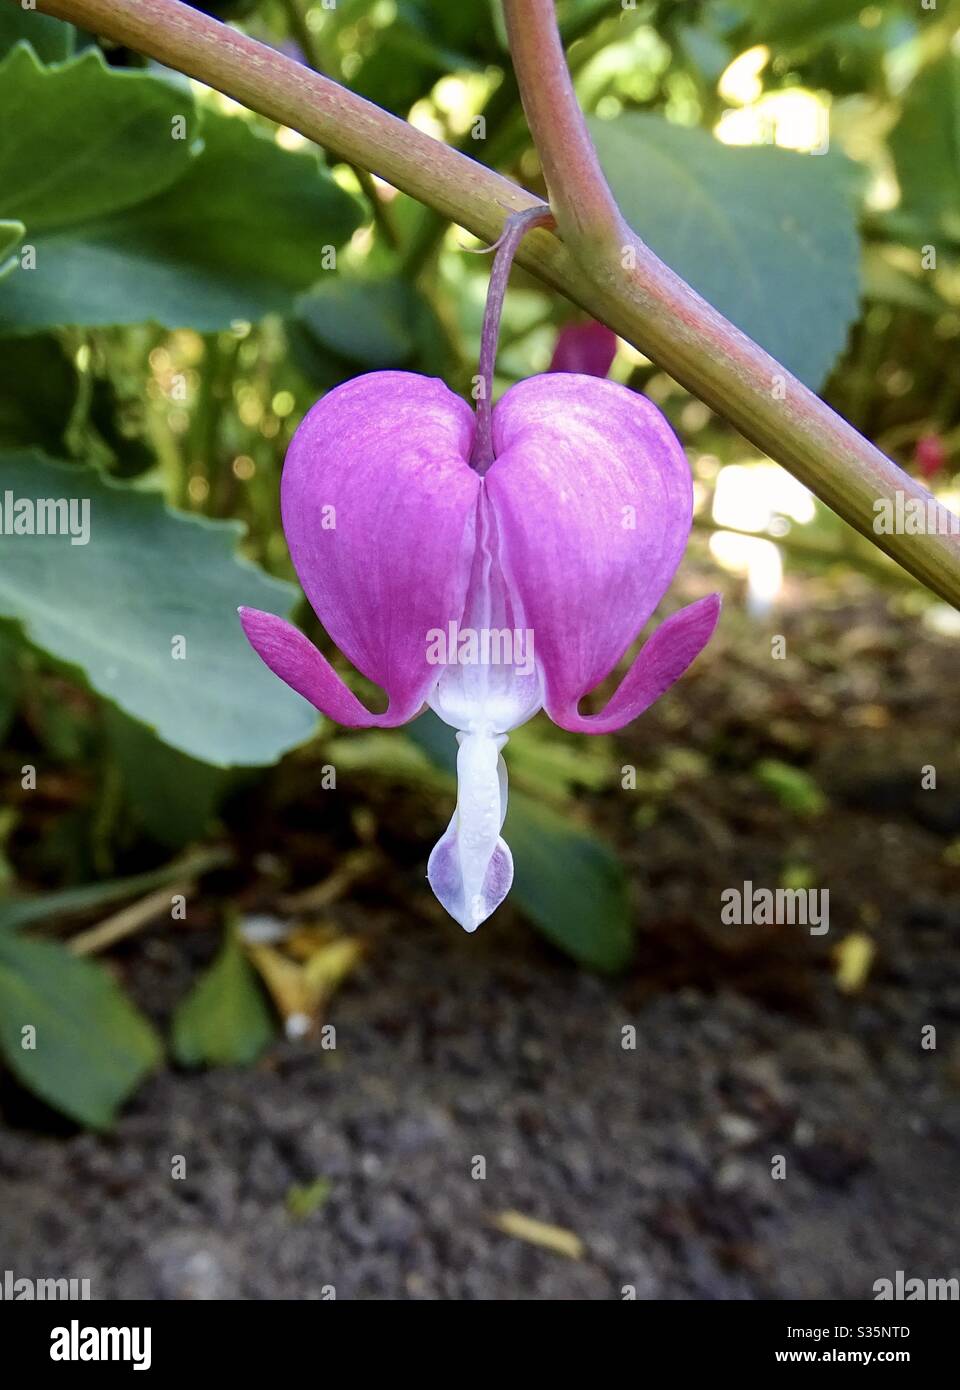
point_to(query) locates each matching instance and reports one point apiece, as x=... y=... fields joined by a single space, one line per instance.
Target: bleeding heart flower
x=486 y=567
x=584 y=347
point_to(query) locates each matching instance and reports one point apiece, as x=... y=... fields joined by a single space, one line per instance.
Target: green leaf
x=89 y=139
x=66 y=902
x=244 y=231
x=224 y=1021
x=51 y=39
x=347 y=322
x=765 y=235
x=799 y=20
x=887 y=283
x=436 y=739
x=365 y=321
x=173 y=797
x=571 y=884
x=793 y=788
x=926 y=146
x=11 y=235
x=92 y=1046
x=116 y=607
x=705 y=50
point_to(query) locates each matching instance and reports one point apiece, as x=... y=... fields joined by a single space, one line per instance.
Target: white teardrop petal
x=471 y=868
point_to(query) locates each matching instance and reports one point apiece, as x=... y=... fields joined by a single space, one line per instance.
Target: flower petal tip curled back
x=378 y=509
x=593 y=500
x=293 y=657
x=661 y=661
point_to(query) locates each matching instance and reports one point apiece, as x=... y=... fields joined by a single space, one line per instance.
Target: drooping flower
x=485 y=566
x=588 y=347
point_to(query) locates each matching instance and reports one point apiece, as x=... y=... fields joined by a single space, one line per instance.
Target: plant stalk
x=697 y=345
x=603 y=266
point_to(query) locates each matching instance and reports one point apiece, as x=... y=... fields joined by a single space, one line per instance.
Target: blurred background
x=244 y=1052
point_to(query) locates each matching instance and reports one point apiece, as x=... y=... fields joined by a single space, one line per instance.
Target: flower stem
x=587 y=211
x=505 y=249
x=696 y=344
x=622 y=284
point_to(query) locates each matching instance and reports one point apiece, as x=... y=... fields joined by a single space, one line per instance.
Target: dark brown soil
x=659 y=1158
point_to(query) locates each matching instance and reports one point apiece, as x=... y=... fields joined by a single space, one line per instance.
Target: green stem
x=503 y=116
x=600 y=264
x=698 y=346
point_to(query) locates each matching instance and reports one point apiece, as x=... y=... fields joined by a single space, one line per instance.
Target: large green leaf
x=926 y=146
x=83 y=139
x=19 y=912
x=115 y=606
x=11 y=235
x=766 y=235
x=571 y=884
x=344 y=323
x=92 y=1047
x=365 y=321
x=50 y=38
x=798 y=21
x=173 y=797
x=224 y=1021
x=135 y=225
x=240 y=236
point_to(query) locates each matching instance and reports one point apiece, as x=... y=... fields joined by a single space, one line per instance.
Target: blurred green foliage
x=179 y=281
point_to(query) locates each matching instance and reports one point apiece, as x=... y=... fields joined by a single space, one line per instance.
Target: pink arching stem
x=515 y=228
x=646 y=303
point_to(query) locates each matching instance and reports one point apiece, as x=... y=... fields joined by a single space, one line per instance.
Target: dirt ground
x=658 y=1158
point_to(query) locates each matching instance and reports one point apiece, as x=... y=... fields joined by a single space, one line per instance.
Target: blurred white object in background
x=756 y=497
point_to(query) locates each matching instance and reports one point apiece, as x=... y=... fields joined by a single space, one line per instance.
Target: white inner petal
x=490 y=684
x=491 y=681
x=471 y=868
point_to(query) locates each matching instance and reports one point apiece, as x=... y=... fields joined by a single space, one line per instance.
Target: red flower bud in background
x=929 y=455
x=588 y=348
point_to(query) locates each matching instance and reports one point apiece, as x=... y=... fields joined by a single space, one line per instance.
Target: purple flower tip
x=588 y=348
